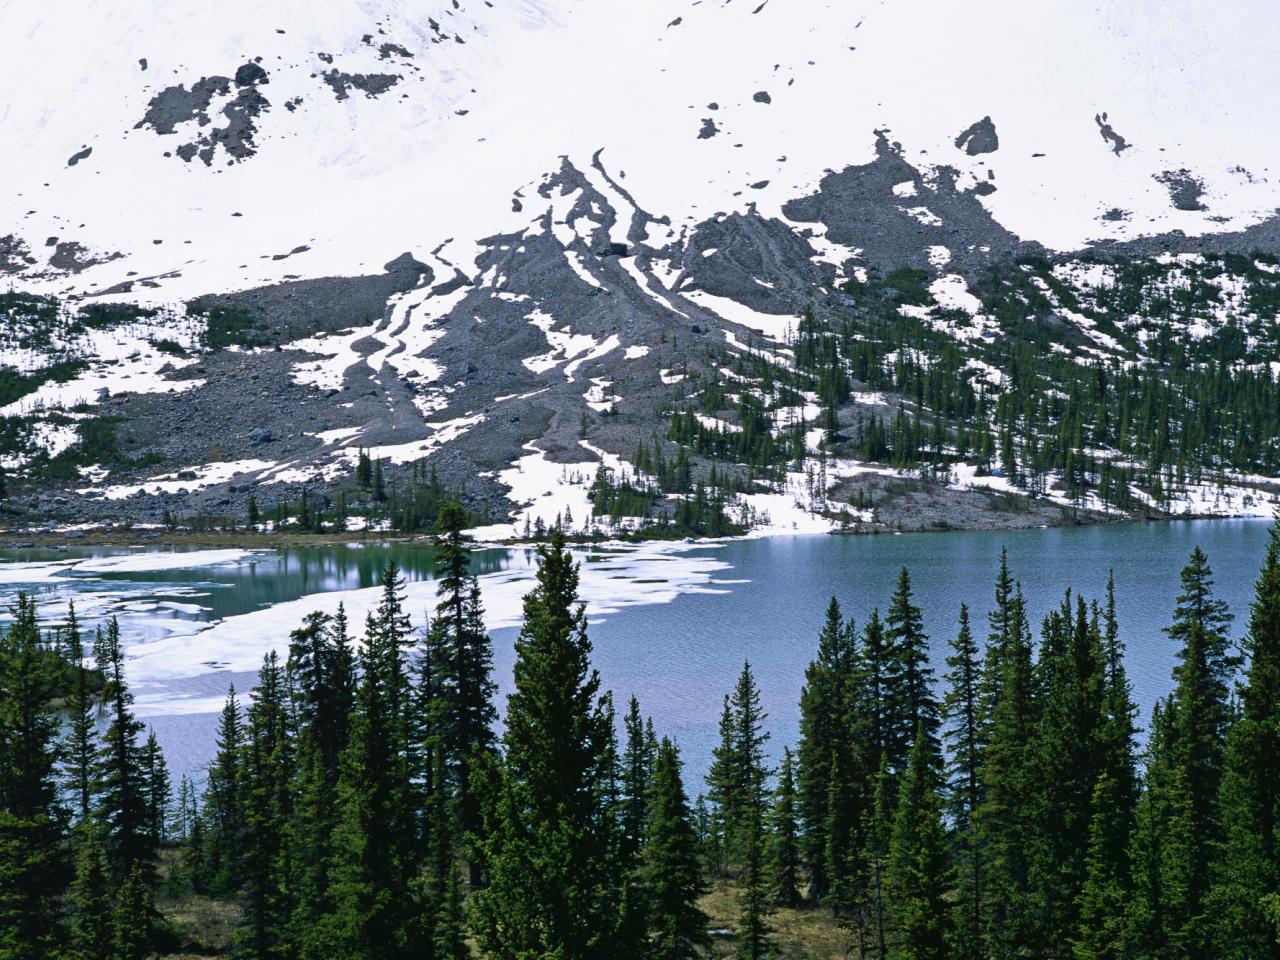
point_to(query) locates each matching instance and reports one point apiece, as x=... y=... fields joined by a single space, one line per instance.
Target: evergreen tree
x=1198 y=714
x=962 y=711
x=91 y=932
x=32 y=869
x=1248 y=867
x=879 y=840
x=825 y=728
x=462 y=673
x=1009 y=780
x=223 y=815
x=266 y=768
x=784 y=851
x=321 y=675
x=720 y=793
x=637 y=772
x=133 y=918
x=1067 y=754
x=672 y=875
x=745 y=794
x=910 y=704
x=157 y=790
x=919 y=875
x=553 y=886
x=755 y=902
x=1162 y=857
x=121 y=778
x=374 y=839
x=79 y=744
x=1102 y=932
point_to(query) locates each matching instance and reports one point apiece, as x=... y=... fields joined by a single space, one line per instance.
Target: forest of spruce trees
x=363 y=805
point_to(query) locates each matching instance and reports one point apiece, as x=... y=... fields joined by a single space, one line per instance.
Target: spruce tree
x=1102 y=932
x=32 y=867
x=784 y=850
x=133 y=917
x=720 y=794
x=79 y=743
x=553 y=885
x=637 y=772
x=462 y=671
x=374 y=840
x=879 y=841
x=90 y=927
x=1198 y=714
x=1248 y=867
x=910 y=704
x=1162 y=850
x=919 y=876
x=121 y=777
x=755 y=902
x=157 y=790
x=266 y=768
x=672 y=875
x=1067 y=753
x=825 y=726
x=1009 y=781
x=874 y=656
x=222 y=818
x=321 y=675
x=964 y=738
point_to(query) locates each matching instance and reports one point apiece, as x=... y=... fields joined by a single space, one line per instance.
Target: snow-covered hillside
x=191 y=148
x=822 y=257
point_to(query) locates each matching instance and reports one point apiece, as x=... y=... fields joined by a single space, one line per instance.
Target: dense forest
x=364 y=804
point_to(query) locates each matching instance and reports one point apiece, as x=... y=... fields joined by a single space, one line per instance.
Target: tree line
x=363 y=804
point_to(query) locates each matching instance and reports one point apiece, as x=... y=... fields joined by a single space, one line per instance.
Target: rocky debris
x=72 y=257
x=15 y=255
x=709 y=129
x=979 y=137
x=860 y=209
x=250 y=73
x=370 y=84
x=1108 y=133
x=177 y=105
x=489 y=367
x=302 y=308
x=389 y=50
x=1185 y=189
x=759 y=262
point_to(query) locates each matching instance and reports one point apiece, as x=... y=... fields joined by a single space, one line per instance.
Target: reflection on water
x=680 y=657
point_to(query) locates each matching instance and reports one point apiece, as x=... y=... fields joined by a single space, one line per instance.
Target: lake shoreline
x=128 y=537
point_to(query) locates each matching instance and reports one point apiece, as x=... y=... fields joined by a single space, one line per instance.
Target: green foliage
x=671 y=872
x=552 y=888
x=231 y=326
x=919 y=874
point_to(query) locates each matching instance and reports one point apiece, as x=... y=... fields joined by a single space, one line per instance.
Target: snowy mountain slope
x=370 y=128
x=510 y=241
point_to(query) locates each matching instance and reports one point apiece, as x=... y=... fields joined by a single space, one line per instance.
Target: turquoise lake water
x=765 y=603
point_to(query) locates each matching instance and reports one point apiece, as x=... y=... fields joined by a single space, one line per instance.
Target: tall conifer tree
x=553 y=883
